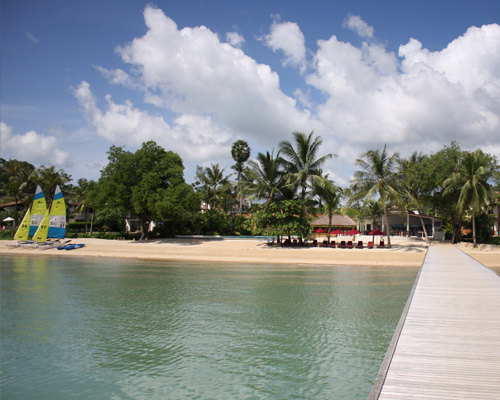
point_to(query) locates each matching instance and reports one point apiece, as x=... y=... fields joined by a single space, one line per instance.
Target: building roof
x=337 y=220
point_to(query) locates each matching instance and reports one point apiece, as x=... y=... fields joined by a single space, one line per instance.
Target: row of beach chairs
x=350 y=245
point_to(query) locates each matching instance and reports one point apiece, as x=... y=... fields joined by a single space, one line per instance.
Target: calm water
x=140 y=330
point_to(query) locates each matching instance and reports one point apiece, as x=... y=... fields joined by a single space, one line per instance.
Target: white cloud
x=32 y=147
x=287 y=37
x=190 y=71
x=235 y=39
x=428 y=100
x=356 y=24
x=195 y=138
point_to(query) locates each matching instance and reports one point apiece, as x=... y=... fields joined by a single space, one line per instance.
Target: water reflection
x=155 y=330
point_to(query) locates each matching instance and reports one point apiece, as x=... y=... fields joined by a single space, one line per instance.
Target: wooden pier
x=447 y=344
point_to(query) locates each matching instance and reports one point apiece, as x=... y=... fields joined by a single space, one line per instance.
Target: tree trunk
x=474 y=239
x=144 y=229
x=92 y=222
x=387 y=228
x=329 y=227
x=423 y=226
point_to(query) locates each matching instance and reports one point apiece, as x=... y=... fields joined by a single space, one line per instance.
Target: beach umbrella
x=377 y=232
x=320 y=230
x=353 y=232
x=337 y=232
x=8 y=219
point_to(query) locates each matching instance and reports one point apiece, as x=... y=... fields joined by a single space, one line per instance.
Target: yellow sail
x=22 y=232
x=43 y=229
x=57 y=220
x=38 y=210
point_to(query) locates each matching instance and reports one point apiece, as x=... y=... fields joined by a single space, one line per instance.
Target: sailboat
x=53 y=224
x=31 y=219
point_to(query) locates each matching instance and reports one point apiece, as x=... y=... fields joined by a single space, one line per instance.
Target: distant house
x=342 y=222
x=407 y=224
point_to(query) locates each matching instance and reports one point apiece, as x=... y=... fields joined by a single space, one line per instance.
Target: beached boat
x=53 y=224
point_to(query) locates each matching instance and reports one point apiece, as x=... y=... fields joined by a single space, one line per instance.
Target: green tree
x=212 y=185
x=240 y=153
x=472 y=175
x=329 y=196
x=440 y=166
x=376 y=178
x=301 y=162
x=413 y=185
x=17 y=183
x=267 y=179
x=148 y=184
x=48 y=178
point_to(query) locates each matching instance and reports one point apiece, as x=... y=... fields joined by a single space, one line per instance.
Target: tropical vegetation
x=277 y=193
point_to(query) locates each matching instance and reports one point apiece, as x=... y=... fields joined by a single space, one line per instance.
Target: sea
x=94 y=328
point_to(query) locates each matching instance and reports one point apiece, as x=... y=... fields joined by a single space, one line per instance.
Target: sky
x=195 y=76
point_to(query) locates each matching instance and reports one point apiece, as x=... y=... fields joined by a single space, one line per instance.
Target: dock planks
x=447 y=345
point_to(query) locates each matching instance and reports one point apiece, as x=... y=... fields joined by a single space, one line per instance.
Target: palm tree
x=411 y=182
x=240 y=153
x=267 y=177
x=17 y=182
x=49 y=178
x=211 y=179
x=301 y=163
x=329 y=196
x=376 y=178
x=472 y=174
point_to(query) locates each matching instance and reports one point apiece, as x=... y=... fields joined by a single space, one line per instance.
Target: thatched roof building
x=338 y=221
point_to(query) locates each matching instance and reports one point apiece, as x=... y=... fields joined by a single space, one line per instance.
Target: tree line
x=275 y=193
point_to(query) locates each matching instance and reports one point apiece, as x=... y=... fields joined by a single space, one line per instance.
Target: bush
x=107 y=235
x=6 y=235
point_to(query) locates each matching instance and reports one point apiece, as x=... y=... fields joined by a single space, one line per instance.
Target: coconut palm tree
x=240 y=153
x=301 y=162
x=211 y=179
x=48 y=178
x=412 y=186
x=376 y=178
x=329 y=195
x=472 y=174
x=266 y=176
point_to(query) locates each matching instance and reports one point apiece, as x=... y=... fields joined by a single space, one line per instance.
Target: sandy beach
x=404 y=253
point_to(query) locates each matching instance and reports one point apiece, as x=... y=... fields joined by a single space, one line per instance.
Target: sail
x=43 y=229
x=38 y=210
x=24 y=229
x=57 y=216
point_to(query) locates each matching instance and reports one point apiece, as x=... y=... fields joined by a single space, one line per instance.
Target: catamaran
x=41 y=223
x=53 y=224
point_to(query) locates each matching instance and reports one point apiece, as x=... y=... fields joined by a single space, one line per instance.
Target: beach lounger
x=342 y=244
x=324 y=244
x=332 y=244
x=360 y=244
x=370 y=245
x=314 y=243
x=349 y=244
x=381 y=244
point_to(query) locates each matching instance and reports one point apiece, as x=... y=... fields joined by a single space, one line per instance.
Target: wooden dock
x=447 y=344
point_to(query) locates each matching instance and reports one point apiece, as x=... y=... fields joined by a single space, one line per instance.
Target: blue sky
x=77 y=77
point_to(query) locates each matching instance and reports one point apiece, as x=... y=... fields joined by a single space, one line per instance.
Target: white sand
x=404 y=253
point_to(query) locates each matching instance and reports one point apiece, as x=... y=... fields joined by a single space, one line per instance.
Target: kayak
x=71 y=246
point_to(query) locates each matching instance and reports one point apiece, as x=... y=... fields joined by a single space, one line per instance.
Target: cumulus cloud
x=196 y=138
x=287 y=37
x=420 y=102
x=235 y=39
x=190 y=71
x=31 y=146
x=368 y=96
x=356 y=24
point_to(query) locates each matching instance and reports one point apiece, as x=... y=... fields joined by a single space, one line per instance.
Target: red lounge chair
x=349 y=244
x=370 y=245
x=332 y=244
x=342 y=244
x=381 y=244
x=324 y=244
x=314 y=243
x=359 y=245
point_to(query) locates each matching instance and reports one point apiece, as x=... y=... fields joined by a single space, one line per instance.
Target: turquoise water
x=119 y=329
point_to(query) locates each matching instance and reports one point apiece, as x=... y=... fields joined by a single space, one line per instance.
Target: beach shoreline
x=404 y=253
